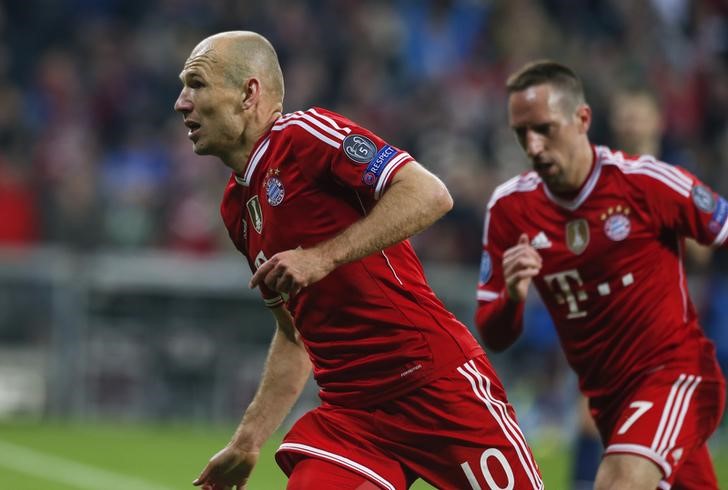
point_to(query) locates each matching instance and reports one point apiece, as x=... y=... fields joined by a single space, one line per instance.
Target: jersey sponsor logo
x=703 y=198
x=719 y=216
x=568 y=289
x=577 y=235
x=540 y=241
x=256 y=213
x=359 y=148
x=376 y=166
x=486 y=268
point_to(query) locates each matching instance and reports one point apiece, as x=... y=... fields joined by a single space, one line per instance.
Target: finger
x=262 y=272
x=285 y=283
x=203 y=476
x=523 y=239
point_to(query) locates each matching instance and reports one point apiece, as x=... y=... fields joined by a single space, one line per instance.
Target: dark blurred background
x=120 y=296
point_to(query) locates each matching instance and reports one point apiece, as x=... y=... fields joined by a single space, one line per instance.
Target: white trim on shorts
x=338 y=459
x=497 y=408
x=643 y=451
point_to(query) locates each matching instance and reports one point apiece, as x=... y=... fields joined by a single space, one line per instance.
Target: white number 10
x=486 y=472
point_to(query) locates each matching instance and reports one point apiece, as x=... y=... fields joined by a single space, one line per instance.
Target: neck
x=238 y=159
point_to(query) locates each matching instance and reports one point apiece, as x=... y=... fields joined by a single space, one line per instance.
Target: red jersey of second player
x=373 y=328
x=612 y=275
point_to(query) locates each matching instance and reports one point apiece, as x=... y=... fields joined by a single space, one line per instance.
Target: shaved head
x=243 y=55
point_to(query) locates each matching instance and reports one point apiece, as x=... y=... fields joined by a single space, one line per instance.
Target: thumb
x=523 y=239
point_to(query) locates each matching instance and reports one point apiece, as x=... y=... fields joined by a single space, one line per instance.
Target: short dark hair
x=552 y=73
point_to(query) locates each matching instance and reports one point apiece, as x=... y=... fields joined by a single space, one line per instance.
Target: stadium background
x=128 y=341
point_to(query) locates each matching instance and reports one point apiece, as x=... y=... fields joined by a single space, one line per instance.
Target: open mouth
x=192 y=128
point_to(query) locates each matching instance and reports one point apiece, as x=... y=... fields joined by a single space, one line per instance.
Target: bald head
x=243 y=55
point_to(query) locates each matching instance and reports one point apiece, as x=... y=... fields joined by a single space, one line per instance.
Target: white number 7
x=641 y=407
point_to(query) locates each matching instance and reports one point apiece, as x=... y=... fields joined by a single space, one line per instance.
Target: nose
x=183 y=103
x=534 y=144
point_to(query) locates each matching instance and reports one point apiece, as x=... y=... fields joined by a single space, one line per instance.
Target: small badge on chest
x=577 y=235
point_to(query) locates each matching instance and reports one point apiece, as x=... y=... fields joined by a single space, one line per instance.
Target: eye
x=543 y=129
x=195 y=83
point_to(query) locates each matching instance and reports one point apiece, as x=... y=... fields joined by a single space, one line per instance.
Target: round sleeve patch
x=359 y=148
x=703 y=198
x=486 y=268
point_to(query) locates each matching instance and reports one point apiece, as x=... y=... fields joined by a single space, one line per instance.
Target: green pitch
x=144 y=457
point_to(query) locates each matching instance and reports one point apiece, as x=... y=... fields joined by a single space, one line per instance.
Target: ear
x=584 y=118
x=251 y=93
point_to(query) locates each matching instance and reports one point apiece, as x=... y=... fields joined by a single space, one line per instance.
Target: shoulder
x=645 y=171
x=518 y=188
x=316 y=125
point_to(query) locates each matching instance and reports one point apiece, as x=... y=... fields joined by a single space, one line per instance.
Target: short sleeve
x=329 y=146
x=495 y=237
x=681 y=202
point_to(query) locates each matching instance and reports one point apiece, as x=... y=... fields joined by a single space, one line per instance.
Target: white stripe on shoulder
x=386 y=173
x=326 y=118
x=336 y=143
x=520 y=183
x=316 y=122
x=647 y=165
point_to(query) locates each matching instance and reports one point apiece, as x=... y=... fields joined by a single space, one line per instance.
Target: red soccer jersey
x=612 y=276
x=373 y=328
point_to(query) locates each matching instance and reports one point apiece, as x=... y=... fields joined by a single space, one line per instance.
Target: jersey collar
x=586 y=189
x=259 y=150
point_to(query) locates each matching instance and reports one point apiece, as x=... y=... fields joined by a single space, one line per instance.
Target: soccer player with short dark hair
x=600 y=234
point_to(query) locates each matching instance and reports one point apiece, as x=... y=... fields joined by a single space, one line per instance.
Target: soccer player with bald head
x=601 y=235
x=322 y=208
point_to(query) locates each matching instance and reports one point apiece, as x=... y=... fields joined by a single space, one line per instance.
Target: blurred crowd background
x=116 y=273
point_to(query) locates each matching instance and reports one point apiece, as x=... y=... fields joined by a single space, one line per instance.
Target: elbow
x=442 y=200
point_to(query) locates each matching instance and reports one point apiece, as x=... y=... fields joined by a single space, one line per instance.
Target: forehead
x=203 y=60
x=533 y=105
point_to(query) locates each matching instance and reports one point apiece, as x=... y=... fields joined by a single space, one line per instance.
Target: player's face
x=210 y=104
x=552 y=137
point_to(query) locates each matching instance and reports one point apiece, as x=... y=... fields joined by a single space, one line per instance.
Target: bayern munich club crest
x=274 y=188
x=616 y=223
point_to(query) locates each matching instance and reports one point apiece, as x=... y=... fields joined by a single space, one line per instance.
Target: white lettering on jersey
x=559 y=285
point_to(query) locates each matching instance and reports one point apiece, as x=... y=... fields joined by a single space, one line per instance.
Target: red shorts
x=458 y=432
x=667 y=418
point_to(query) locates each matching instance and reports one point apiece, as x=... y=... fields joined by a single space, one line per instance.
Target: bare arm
x=414 y=200
x=286 y=370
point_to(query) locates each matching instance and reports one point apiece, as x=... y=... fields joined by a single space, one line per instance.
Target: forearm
x=414 y=200
x=499 y=322
x=286 y=371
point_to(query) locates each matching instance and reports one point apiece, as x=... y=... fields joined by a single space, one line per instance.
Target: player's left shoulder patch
x=359 y=148
x=703 y=198
x=486 y=268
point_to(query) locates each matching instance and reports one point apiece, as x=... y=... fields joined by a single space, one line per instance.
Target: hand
x=228 y=469
x=521 y=263
x=292 y=270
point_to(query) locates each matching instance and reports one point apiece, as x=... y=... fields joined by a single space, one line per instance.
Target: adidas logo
x=540 y=241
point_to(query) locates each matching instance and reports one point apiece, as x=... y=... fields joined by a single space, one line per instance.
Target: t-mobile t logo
x=561 y=285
